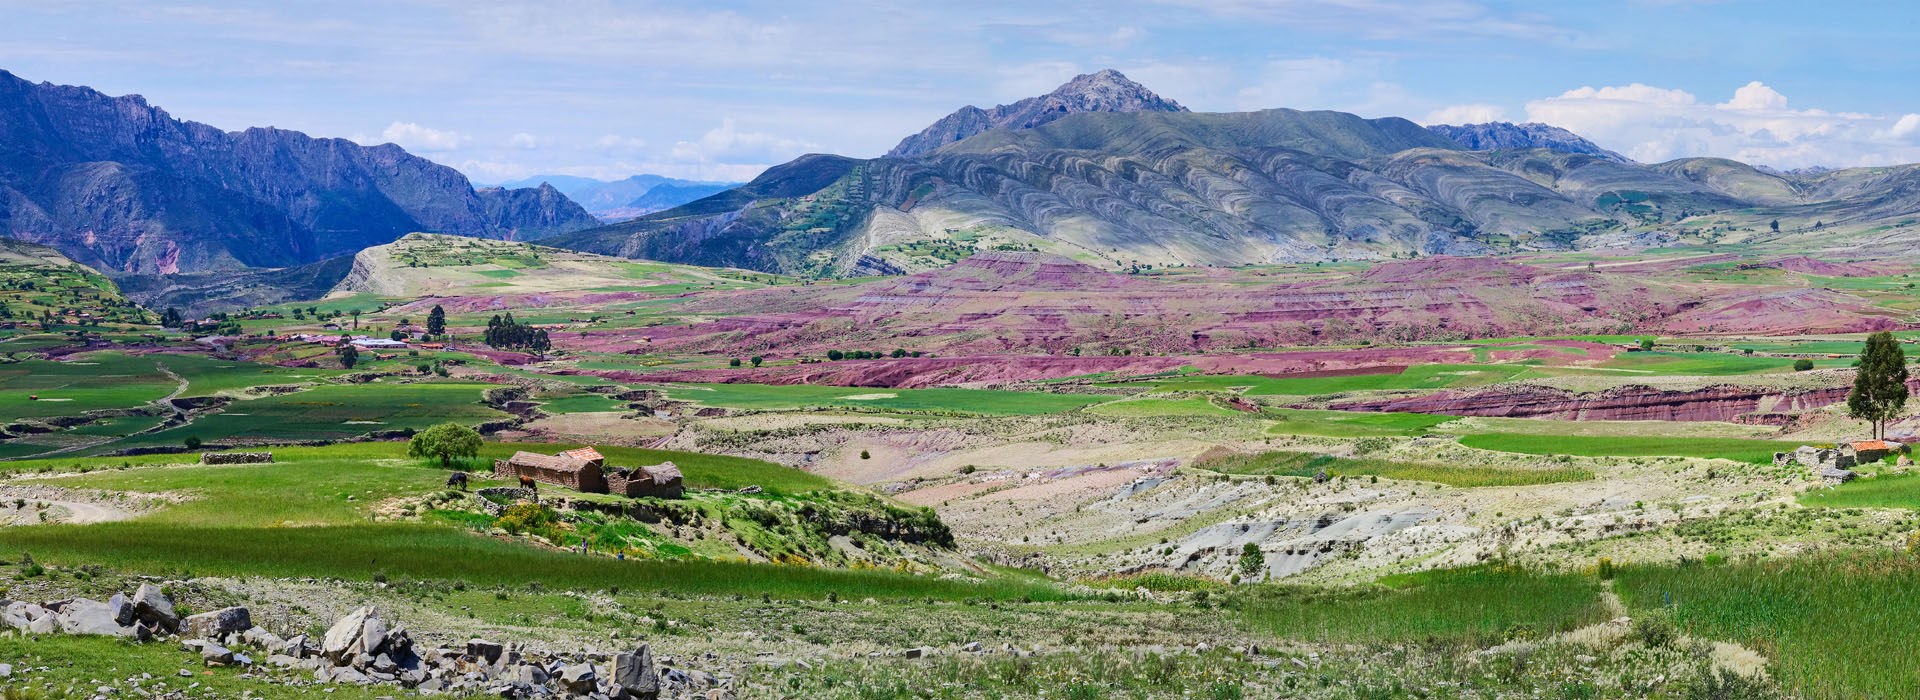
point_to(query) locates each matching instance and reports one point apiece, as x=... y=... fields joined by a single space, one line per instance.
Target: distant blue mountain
x=619 y=200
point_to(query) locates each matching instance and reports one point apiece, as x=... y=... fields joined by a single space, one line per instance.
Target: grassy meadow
x=1307 y=464
x=1737 y=449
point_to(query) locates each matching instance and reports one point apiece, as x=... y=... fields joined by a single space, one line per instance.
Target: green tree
x=835 y=355
x=436 y=320
x=356 y=318
x=349 y=355
x=735 y=362
x=1646 y=344
x=1802 y=365
x=1880 y=386
x=445 y=442
x=1252 y=560
x=757 y=360
x=1776 y=225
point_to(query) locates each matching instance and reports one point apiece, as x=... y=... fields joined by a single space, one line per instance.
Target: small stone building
x=561 y=470
x=1869 y=451
x=658 y=481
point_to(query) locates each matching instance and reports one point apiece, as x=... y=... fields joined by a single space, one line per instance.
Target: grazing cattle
x=527 y=482
x=457 y=479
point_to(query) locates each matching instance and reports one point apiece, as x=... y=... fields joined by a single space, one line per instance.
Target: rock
x=218 y=622
x=262 y=638
x=298 y=647
x=488 y=652
x=970 y=647
x=6 y=670
x=350 y=636
x=917 y=652
x=122 y=610
x=150 y=603
x=20 y=615
x=83 y=616
x=579 y=678
x=216 y=655
x=283 y=661
x=635 y=674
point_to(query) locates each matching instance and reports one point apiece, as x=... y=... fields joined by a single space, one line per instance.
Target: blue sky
x=720 y=90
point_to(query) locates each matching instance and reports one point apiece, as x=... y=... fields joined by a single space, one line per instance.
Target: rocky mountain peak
x=1506 y=136
x=1104 y=91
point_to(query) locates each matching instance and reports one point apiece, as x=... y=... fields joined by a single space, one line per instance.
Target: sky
x=722 y=89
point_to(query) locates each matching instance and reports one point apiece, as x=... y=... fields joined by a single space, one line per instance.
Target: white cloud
x=618 y=143
x=1755 y=125
x=523 y=141
x=726 y=151
x=415 y=137
x=1466 y=114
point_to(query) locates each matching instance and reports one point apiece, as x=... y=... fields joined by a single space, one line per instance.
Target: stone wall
x=237 y=458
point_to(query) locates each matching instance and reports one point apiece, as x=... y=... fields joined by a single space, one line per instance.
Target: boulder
x=917 y=652
x=219 y=622
x=262 y=638
x=486 y=652
x=122 y=610
x=579 y=678
x=298 y=647
x=216 y=655
x=83 y=616
x=151 y=604
x=20 y=615
x=360 y=632
x=635 y=674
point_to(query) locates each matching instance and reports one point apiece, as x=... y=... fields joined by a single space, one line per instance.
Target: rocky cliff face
x=1105 y=91
x=120 y=184
x=1507 y=136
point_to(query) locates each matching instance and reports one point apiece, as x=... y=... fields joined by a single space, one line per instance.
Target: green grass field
x=1835 y=626
x=796 y=397
x=333 y=412
x=1712 y=364
x=1306 y=464
x=1194 y=406
x=1477 y=605
x=1351 y=424
x=1890 y=491
x=308 y=513
x=93 y=381
x=1737 y=449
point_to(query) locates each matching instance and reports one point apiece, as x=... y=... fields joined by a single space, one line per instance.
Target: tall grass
x=1737 y=449
x=1840 y=625
x=1305 y=464
x=442 y=553
x=1888 y=491
x=1475 y=605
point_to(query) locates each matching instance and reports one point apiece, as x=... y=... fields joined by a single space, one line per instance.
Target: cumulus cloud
x=1466 y=114
x=618 y=143
x=415 y=137
x=726 y=151
x=523 y=141
x=1755 y=124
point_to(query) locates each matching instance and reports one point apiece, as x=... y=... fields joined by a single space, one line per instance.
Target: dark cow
x=527 y=482
x=457 y=479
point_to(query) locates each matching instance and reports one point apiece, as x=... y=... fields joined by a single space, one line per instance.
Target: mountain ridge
x=1508 y=136
x=122 y=185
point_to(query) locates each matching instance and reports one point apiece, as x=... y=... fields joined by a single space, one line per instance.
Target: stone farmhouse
x=585 y=470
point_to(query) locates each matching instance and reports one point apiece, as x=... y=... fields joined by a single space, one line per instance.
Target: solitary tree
x=436 y=320
x=349 y=356
x=1776 y=225
x=1252 y=560
x=356 y=318
x=1880 y=387
x=444 y=441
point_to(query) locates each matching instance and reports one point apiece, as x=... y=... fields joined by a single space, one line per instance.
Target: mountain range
x=1106 y=172
x=619 y=200
x=123 y=186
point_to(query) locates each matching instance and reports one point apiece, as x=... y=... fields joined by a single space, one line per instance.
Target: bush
x=527 y=517
x=1802 y=365
x=1655 y=629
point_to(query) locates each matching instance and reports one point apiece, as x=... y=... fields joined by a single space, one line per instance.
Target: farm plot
x=987 y=402
x=42 y=388
x=332 y=412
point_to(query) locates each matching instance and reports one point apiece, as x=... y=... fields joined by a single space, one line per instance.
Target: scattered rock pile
x=362 y=648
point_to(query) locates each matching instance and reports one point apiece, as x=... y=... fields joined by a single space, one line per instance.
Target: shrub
x=1802 y=365
x=1655 y=629
x=526 y=517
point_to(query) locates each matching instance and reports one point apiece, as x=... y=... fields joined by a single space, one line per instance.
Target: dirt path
x=34 y=505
